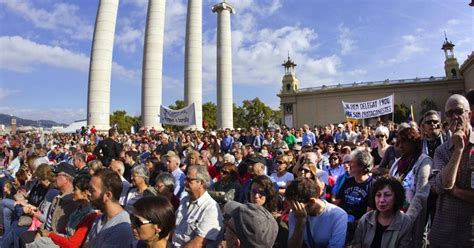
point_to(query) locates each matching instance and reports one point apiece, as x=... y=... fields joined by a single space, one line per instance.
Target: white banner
x=369 y=109
x=181 y=117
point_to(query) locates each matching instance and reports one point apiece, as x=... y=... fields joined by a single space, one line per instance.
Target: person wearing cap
x=249 y=225
x=338 y=133
x=62 y=205
x=313 y=221
x=199 y=221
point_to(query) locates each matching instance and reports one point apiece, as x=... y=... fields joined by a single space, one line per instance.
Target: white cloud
x=62 y=17
x=4 y=93
x=345 y=40
x=129 y=38
x=22 y=55
x=412 y=46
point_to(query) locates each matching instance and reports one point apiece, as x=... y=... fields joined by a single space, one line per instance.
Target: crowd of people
x=343 y=185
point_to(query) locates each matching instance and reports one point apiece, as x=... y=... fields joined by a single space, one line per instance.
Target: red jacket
x=79 y=236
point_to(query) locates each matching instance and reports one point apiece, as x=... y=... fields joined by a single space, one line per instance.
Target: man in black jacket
x=108 y=149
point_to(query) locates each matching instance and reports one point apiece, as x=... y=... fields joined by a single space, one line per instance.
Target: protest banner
x=181 y=117
x=368 y=109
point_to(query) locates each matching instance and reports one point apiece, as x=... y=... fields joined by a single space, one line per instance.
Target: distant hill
x=7 y=120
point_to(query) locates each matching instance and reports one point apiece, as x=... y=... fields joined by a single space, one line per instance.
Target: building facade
x=323 y=105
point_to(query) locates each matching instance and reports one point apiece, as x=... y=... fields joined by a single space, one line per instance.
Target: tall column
x=153 y=64
x=225 y=111
x=100 y=70
x=193 y=60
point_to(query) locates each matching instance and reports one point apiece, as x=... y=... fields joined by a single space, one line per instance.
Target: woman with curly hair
x=262 y=193
x=386 y=225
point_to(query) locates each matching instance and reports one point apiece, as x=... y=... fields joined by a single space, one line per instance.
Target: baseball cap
x=66 y=168
x=254 y=225
x=253 y=159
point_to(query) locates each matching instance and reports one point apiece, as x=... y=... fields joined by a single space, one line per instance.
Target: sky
x=45 y=47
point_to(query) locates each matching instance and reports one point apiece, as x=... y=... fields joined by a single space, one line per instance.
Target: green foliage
x=401 y=113
x=209 y=112
x=426 y=105
x=251 y=113
x=124 y=122
x=256 y=113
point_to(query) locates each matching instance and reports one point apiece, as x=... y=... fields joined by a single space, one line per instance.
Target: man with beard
x=111 y=228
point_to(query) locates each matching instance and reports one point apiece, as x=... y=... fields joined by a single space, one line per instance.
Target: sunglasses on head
x=136 y=222
x=458 y=112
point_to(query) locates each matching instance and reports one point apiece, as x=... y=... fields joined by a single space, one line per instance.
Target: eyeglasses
x=333 y=159
x=304 y=170
x=189 y=179
x=458 y=112
x=380 y=136
x=432 y=122
x=256 y=191
x=280 y=162
x=225 y=172
x=346 y=162
x=136 y=222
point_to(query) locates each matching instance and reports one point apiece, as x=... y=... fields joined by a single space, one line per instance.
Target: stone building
x=323 y=105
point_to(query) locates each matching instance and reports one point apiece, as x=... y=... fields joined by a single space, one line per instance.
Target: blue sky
x=45 y=48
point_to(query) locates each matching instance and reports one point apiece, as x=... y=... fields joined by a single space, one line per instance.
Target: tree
x=179 y=104
x=426 y=105
x=124 y=122
x=239 y=118
x=401 y=113
x=209 y=114
x=256 y=113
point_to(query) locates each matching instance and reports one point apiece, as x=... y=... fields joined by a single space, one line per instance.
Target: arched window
x=453 y=73
x=288 y=87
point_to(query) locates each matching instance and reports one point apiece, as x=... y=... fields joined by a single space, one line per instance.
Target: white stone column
x=225 y=111
x=193 y=60
x=153 y=64
x=100 y=70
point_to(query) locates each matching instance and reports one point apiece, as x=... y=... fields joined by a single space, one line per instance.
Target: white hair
x=382 y=130
x=229 y=157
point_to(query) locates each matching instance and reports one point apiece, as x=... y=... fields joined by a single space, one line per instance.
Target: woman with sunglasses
x=153 y=220
x=227 y=188
x=413 y=170
x=281 y=176
x=381 y=134
x=262 y=193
